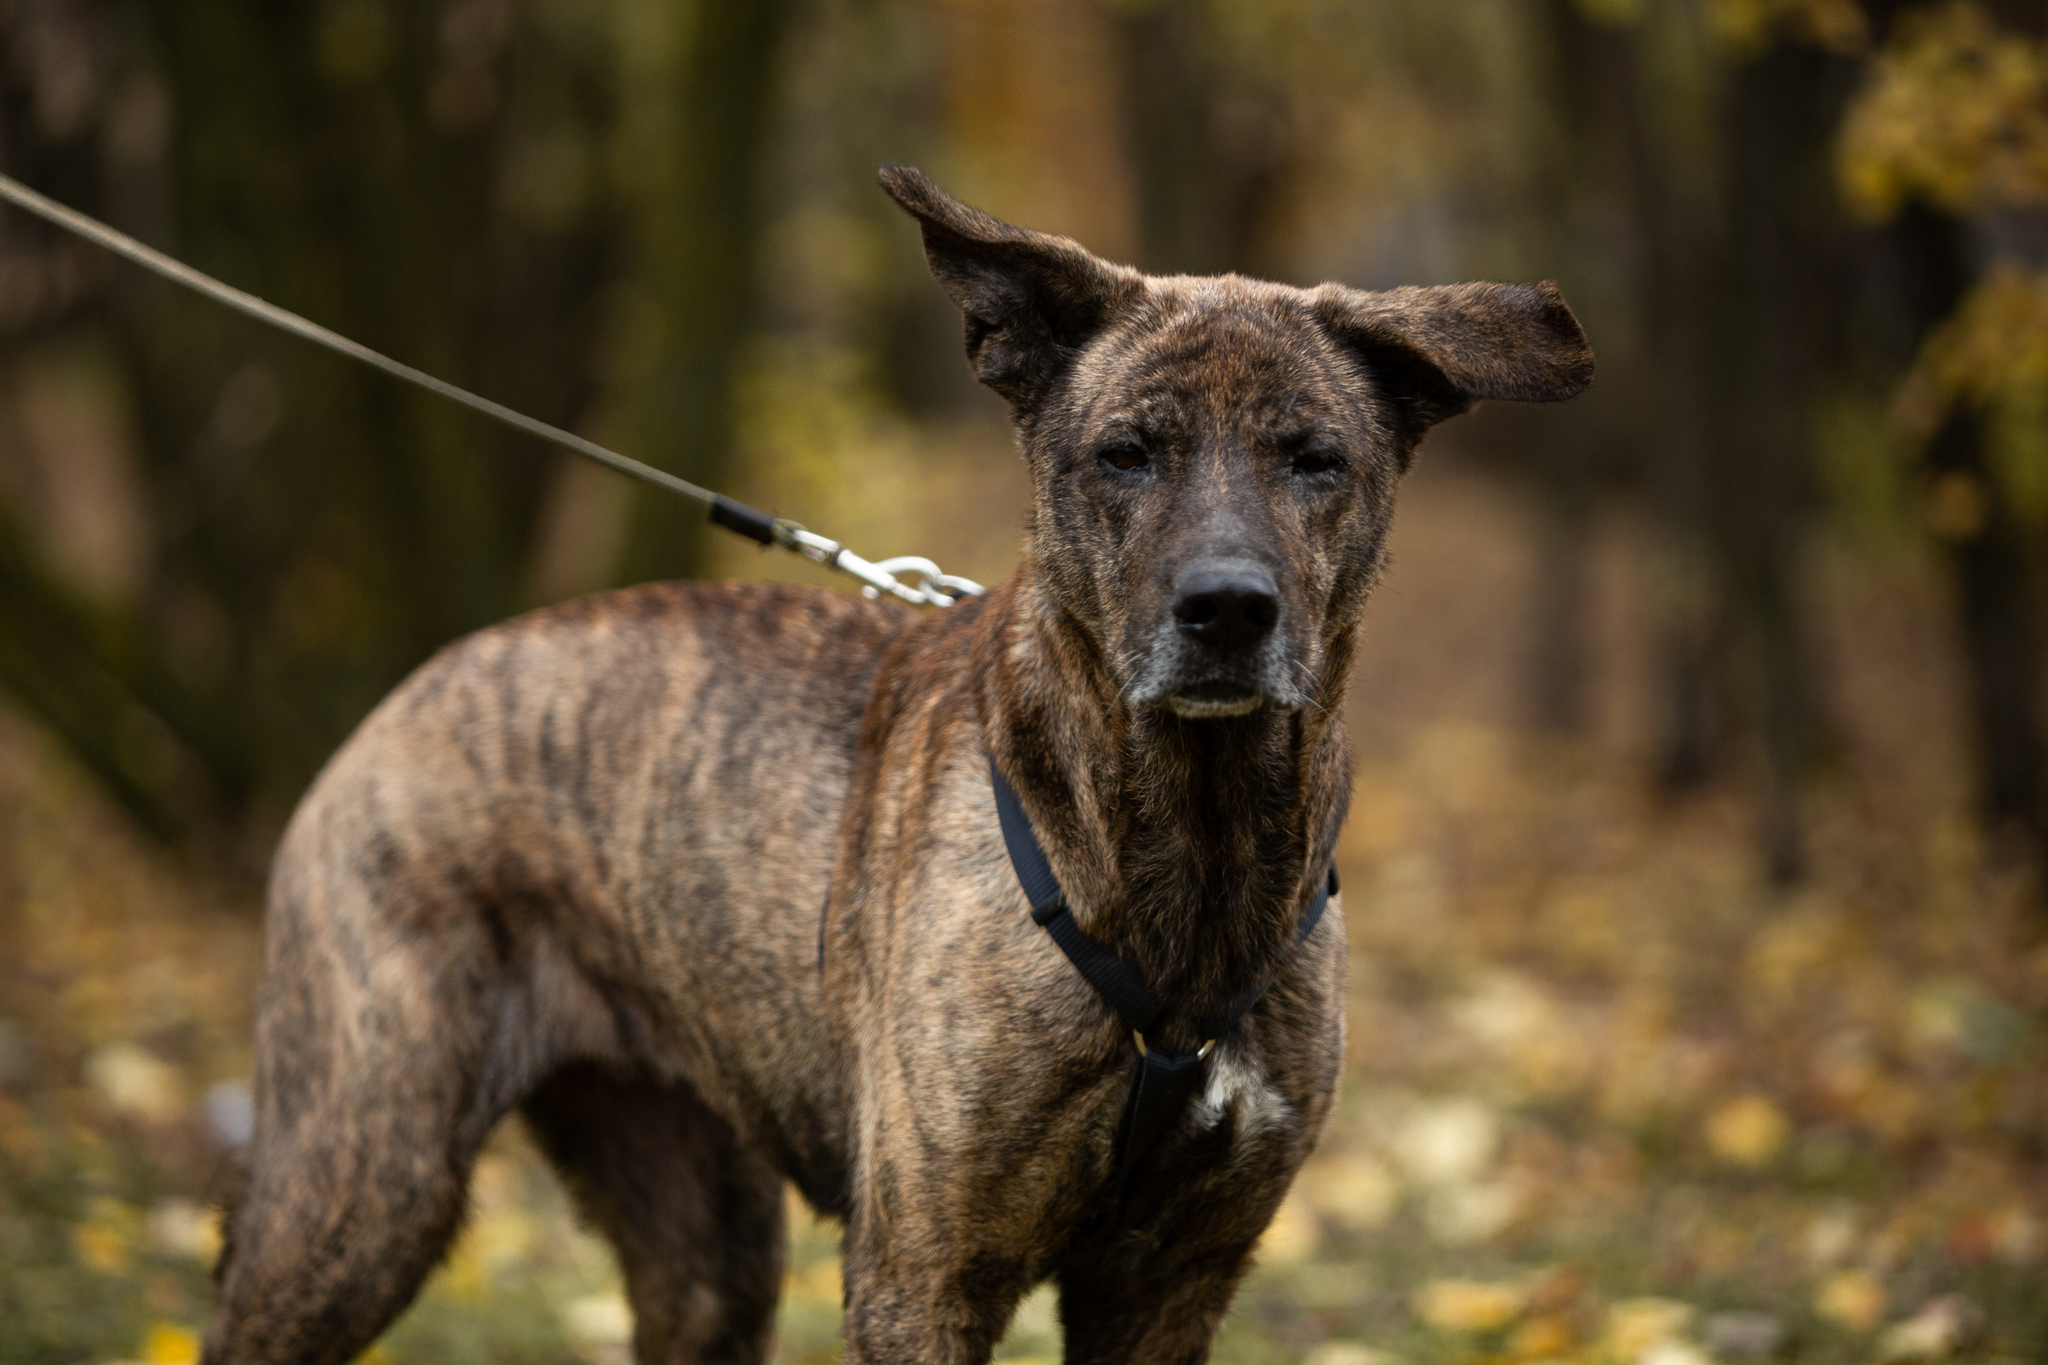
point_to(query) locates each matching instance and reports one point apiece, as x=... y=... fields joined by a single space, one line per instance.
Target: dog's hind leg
x=696 y=1217
x=390 y=1038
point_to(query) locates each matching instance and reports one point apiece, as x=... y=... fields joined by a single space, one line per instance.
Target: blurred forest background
x=1699 y=973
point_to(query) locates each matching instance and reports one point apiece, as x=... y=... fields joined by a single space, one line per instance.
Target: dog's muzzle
x=1219 y=652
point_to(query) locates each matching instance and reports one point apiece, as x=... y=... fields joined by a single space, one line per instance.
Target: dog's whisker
x=1309 y=681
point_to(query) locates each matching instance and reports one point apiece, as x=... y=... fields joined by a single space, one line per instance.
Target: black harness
x=1165 y=1081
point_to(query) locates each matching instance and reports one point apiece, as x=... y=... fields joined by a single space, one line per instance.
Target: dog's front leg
x=1161 y=1312
x=919 y=1290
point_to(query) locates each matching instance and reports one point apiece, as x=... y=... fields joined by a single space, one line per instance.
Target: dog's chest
x=1237 y=1089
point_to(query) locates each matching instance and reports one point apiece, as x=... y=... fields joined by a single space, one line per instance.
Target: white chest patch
x=1237 y=1086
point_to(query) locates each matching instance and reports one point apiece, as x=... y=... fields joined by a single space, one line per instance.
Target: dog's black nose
x=1228 y=604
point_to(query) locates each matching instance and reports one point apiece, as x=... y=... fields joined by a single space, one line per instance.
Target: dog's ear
x=1032 y=300
x=1436 y=351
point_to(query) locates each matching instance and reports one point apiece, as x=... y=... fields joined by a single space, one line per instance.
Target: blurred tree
x=698 y=251
x=1951 y=122
x=440 y=181
x=1209 y=146
x=1778 y=287
x=1739 y=258
x=1575 y=176
x=575 y=207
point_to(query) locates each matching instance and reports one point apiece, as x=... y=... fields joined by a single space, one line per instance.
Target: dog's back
x=547 y=813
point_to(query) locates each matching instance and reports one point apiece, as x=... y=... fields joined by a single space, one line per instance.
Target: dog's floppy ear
x=1436 y=351
x=1032 y=300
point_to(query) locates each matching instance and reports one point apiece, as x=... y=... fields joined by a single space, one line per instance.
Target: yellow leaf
x=1954 y=111
x=1349 y=1353
x=1355 y=1191
x=1747 y=1131
x=1634 y=1326
x=1941 y=1327
x=169 y=1344
x=1469 y=1305
x=1541 y=1338
x=1993 y=347
x=1852 y=1299
x=180 y=1227
x=1448 y=1141
x=135 y=1082
x=101 y=1247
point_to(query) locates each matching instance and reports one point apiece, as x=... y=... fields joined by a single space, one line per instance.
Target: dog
x=708 y=881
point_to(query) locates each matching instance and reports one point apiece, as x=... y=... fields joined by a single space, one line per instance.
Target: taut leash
x=932 y=588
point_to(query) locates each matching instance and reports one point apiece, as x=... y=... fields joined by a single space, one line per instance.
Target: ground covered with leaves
x=1611 y=1097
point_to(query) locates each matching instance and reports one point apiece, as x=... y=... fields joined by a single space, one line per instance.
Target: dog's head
x=1215 y=457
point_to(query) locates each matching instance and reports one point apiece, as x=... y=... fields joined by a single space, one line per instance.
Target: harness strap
x=1166 y=1081
x=1165 y=1085
x=1114 y=979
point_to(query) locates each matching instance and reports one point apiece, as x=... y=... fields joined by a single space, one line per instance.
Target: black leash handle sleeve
x=750 y=522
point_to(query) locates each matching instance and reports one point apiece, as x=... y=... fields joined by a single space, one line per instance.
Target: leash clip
x=934 y=588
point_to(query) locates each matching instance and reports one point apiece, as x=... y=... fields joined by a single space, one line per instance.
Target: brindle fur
x=575 y=864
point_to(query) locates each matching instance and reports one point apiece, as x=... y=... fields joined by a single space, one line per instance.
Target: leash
x=931 y=588
x=1165 y=1082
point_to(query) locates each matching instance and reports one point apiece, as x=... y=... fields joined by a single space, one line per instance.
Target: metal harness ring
x=1200 y=1052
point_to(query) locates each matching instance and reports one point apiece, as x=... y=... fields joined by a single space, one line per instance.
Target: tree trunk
x=1987 y=561
x=1207 y=149
x=701 y=243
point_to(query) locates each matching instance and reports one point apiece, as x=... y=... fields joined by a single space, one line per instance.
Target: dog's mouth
x=1214 y=700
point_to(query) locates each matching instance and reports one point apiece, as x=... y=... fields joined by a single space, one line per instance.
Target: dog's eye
x=1317 y=461
x=1126 y=457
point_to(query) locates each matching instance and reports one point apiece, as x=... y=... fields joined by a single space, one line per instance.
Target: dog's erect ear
x=1436 y=351
x=1032 y=300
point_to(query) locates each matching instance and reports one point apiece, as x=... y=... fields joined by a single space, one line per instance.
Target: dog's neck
x=1188 y=846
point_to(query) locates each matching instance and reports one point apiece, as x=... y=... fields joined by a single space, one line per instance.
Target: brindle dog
x=575 y=864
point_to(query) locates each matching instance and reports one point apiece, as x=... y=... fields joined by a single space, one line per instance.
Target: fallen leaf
x=1358 y=1192
x=1447 y=1142
x=1542 y=1338
x=179 y=1227
x=1938 y=1330
x=135 y=1082
x=169 y=1344
x=1852 y=1299
x=1747 y=1131
x=1634 y=1326
x=1349 y=1353
x=1674 y=1353
x=1469 y=1305
x=101 y=1246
